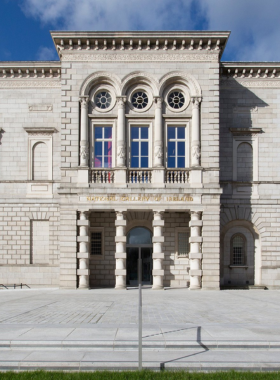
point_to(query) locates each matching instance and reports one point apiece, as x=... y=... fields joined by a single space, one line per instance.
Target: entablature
x=27 y=70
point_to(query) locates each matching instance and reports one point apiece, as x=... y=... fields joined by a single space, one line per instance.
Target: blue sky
x=25 y=24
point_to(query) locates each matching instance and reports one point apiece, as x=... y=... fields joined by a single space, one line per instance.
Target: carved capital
x=196 y=215
x=120 y=215
x=195 y=102
x=84 y=101
x=121 y=101
x=158 y=102
x=158 y=215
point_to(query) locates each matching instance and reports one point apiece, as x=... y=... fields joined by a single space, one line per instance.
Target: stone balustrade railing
x=139 y=176
x=176 y=176
x=102 y=176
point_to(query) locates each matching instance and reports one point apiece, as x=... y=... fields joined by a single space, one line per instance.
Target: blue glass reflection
x=98 y=132
x=171 y=162
x=181 y=162
x=144 y=162
x=135 y=162
x=135 y=132
x=139 y=235
x=144 y=148
x=180 y=132
x=144 y=132
x=98 y=148
x=108 y=132
x=181 y=148
x=171 y=133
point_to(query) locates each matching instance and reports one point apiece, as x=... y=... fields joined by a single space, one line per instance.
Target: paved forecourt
x=90 y=329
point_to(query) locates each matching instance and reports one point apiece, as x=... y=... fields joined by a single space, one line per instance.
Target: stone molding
x=40 y=107
x=260 y=83
x=26 y=71
x=140 y=57
x=36 y=131
x=29 y=83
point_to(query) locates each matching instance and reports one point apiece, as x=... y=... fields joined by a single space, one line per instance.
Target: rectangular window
x=103 y=147
x=176 y=146
x=139 y=147
x=183 y=244
x=96 y=243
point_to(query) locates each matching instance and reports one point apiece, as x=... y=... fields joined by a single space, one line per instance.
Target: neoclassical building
x=140 y=145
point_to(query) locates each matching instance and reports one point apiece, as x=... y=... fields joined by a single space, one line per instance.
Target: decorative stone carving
x=29 y=83
x=40 y=107
x=84 y=152
x=196 y=152
x=143 y=57
x=98 y=77
x=195 y=89
x=158 y=151
x=121 y=151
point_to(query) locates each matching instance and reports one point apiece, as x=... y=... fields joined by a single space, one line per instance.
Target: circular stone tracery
x=103 y=99
x=140 y=100
x=176 y=99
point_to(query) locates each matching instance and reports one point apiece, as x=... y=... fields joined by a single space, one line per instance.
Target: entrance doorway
x=139 y=246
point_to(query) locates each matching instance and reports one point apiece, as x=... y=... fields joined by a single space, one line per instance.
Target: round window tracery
x=140 y=100
x=176 y=99
x=103 y=99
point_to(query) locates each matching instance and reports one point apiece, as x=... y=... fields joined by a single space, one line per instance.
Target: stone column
x=83 y=254
x=84 y=132
x=195 y=152
x=121 y=148
x=158 y=147
x=120 y=255
x=195 y=255
x=158 y=255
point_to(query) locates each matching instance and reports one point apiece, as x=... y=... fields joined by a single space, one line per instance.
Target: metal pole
x=140 y=314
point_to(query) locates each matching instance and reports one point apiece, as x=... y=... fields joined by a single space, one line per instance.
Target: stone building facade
x=140 y=144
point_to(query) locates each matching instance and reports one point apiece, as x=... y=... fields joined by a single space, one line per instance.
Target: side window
x=103 y=146
x=182 y=242
x=176 y=147
x=238 y=250
x=139 y=147
x=97 y=242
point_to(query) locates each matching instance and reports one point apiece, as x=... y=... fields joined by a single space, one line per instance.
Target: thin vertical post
x=140 y=313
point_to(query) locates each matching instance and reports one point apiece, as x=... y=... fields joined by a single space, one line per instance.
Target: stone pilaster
x=121 y=146
x=120 y=255
x=83 y=254
x=195 y=255
x=158 y=255
x=195 y=146
x=158 y=147
x=84 y=145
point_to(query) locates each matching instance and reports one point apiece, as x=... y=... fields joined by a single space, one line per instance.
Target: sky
x=25 y=24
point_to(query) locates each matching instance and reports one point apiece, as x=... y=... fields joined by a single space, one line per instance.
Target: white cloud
x=254 y=23
x=46 y=54
x=112 y=14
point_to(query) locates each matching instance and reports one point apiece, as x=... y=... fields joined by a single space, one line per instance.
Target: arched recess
x=100 y=77
x=244 y=162
x=138 y=78
x=180 y=77
x=40 y=161
x=249 y=272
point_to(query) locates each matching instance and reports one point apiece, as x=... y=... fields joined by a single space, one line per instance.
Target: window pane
x=171 y=133
x=96 y=243
x=144 y=162
x=238 y=250
x=98 y=162
x=135 y=133
x=144 y=148
x=180 y=132
x=181 y=162
x=144 y=132
x=183 y=243
x=135 y=162
x=134 y=148
x=171 y=148
x=171 y=162
x=181 y=148
x=98 y=132
x=108 y=132
x=98 y=148
x=107 y=162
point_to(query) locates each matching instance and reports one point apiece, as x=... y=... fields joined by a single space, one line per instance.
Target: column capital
x=195 y=215
x=158 y=101
x=196 y=100
x=120 y=215
x=84 y=100
x=121 y=100
x=158 y=214
x=84 y=215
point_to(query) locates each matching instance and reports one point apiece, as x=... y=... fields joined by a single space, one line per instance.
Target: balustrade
x=177 y=176
x=139 y=176
x=102 y=176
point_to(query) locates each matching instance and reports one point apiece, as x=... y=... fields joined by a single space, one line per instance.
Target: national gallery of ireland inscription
x=140 y=145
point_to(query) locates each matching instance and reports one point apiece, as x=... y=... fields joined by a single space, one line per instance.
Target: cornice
x=26 y=70
x=141 y=42
x=40 y=130
x=250 y=70
x=245 y=131
x=250 y=83
x=194 y=56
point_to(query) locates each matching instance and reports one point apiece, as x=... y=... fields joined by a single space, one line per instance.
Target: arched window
x=245 y=162
x=138 y=236
x=238 y=249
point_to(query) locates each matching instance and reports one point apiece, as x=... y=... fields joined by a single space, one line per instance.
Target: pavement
x=98 y=329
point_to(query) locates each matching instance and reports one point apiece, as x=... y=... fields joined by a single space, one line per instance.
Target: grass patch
x=136 y=375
